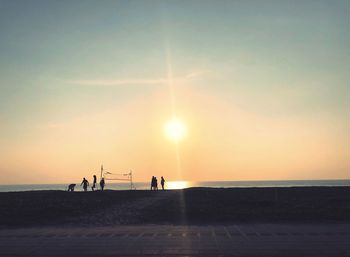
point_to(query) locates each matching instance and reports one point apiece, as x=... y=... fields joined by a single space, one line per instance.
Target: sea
x=183 y=184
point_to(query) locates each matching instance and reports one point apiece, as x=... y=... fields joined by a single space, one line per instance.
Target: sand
x=193 y=206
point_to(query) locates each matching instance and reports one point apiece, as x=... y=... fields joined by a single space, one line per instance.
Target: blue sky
x=63 y=60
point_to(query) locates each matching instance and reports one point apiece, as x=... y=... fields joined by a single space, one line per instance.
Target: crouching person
x=71 y=187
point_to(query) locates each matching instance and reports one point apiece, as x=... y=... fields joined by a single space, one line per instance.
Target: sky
x=261 y=87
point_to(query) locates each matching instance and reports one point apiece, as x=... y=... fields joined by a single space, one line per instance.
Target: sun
x=175 y=129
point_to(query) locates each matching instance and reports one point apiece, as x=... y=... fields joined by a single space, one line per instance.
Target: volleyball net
x=121 y=176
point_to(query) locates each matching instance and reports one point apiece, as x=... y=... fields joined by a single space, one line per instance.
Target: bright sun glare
x=175 y=129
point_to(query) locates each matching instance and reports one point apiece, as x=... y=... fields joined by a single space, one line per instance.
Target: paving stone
x=241 y=240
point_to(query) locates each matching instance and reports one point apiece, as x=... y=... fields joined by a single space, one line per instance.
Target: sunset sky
x=262 y=89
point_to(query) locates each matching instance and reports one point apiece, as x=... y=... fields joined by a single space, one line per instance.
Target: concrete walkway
x=236 y=240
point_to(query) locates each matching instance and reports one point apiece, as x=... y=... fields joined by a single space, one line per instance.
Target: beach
x=192 y=206
x=246 y=222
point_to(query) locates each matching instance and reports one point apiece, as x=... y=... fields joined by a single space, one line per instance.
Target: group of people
x=154 y=183
x=85 y=183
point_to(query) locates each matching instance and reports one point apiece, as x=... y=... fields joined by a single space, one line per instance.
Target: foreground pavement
x=156 y=240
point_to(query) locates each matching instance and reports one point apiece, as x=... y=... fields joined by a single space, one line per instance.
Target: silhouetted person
x=162 y=182
x=94 y=183
x=71 y=187
x=152 y=183
x=85 y=184
x=155 y=183
x=102 y=184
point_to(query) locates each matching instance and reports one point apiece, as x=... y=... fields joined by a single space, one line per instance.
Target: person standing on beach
x=162 y=182
x=155 y=183
x=152 y=183
x=94 y=183
x=85 y=184
x=102 y=184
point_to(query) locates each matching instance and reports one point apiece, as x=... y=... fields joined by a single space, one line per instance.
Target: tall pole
x=131 y=184
x=101 y=172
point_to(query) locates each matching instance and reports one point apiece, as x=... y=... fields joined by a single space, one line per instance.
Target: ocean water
x=184 y=184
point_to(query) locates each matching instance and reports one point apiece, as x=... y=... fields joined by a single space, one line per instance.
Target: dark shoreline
x=192 y=206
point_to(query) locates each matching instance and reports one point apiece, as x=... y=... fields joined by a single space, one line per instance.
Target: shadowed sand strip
x=196 y=206
x=129 y=212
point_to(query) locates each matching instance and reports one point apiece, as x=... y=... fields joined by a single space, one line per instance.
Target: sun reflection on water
x=177 y=184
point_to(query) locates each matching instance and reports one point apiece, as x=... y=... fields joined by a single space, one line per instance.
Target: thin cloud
x=117 y=82
x=198 y=74
x=131 y=81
